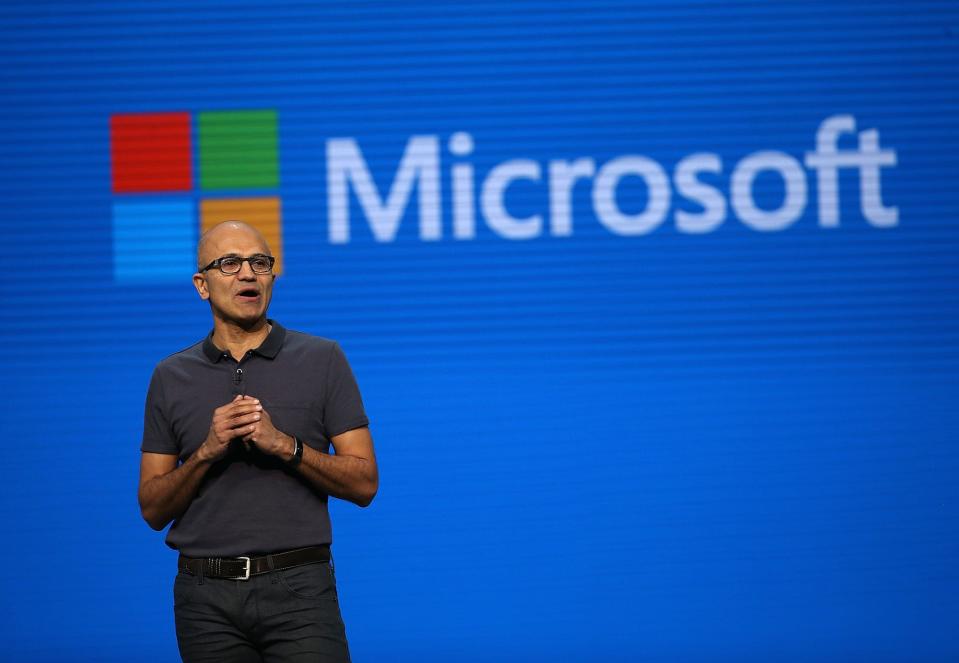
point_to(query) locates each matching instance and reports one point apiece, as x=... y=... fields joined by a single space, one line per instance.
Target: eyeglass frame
x=219 y=261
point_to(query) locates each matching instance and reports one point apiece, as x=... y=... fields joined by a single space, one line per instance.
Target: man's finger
x=236 y=422
x=239 y=398
x=238 y=408
x=236 y=431
x=243 y=408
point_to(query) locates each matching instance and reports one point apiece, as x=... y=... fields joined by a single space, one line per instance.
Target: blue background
x=730 y=446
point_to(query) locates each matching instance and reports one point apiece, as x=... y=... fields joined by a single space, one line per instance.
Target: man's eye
x=229 y=263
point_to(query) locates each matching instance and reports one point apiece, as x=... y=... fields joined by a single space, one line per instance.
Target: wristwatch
x=297 y=452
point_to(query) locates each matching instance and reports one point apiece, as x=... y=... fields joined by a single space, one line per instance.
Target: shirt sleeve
x=344 y=405
x=158 y=436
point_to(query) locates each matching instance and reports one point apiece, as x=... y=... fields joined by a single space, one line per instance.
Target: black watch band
x=297 y=452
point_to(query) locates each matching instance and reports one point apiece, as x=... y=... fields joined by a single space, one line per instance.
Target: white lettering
x=562 y=177
x=464 y=207
x=494 y=208
x=870 y=189
x=419 y=165
x=741 y=197
x=658 y=195
x=827 y=159
x=714 y=205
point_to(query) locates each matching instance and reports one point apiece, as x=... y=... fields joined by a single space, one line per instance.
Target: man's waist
x=244 y=566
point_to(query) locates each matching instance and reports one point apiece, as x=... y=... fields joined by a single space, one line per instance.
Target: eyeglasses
x=259 y=263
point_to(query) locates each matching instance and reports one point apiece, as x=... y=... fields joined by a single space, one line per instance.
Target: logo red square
x=151 y=152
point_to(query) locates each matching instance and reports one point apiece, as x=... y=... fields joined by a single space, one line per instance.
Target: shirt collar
x=268 y=348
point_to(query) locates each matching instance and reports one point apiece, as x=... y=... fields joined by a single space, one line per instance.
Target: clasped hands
x=244 y=418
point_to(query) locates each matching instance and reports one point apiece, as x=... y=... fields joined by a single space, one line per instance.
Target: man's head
x=241 y=298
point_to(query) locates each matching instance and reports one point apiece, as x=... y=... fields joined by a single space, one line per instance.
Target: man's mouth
x=248 y=294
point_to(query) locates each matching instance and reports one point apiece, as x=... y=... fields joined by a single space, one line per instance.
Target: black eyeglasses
x=259 y=263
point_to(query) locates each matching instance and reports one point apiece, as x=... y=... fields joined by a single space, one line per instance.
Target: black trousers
x=291 y=615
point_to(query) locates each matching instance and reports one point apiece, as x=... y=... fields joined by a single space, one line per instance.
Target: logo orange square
x=261 y=213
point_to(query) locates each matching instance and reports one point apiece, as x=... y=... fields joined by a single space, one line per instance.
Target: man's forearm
x=165 y=497
x=347 y=477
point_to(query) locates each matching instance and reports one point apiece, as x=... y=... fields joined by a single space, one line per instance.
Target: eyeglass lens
x=259 y=264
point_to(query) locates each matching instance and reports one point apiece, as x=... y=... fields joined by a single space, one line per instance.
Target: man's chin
x=246 y=321
x=249 y=322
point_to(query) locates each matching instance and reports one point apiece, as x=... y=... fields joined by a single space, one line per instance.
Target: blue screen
x=653 y=306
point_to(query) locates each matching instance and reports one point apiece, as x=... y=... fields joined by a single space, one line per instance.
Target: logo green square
x=238 y=150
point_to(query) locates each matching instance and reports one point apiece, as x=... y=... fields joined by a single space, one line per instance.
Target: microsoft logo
x=177 y=174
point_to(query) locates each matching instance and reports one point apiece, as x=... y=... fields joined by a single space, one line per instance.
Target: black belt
x=241 y=568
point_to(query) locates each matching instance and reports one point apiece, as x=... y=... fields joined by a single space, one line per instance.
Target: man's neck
x=238 y=340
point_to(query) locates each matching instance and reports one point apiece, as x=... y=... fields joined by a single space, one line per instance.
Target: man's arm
x=351 y=474
x=166 y=490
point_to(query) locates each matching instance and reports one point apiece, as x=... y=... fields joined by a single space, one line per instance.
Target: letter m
x=345 y=167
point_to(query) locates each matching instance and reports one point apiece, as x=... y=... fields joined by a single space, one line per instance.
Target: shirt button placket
x=238 y=386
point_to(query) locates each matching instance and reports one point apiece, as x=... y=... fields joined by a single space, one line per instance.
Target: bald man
x=236 y=453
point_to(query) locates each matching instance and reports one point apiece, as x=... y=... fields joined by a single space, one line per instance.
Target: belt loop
x=273 y=574
x=201 y=568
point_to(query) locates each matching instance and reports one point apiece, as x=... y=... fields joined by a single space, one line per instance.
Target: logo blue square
x=154 y=240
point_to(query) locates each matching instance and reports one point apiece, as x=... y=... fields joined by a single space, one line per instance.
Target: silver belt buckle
x=246 y=571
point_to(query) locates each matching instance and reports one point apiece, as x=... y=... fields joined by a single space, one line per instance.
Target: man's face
x=240 y=298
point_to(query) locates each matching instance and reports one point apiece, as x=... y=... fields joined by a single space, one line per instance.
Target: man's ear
x=199 y=282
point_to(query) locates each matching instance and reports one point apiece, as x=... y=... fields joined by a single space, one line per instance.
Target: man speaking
x=236 y=452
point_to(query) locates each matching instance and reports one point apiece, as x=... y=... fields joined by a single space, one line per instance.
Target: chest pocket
x=302 y=419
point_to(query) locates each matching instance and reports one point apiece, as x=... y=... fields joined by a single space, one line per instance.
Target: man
x=236 y=440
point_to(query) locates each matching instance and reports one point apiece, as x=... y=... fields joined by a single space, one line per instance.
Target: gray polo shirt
x=250 y=502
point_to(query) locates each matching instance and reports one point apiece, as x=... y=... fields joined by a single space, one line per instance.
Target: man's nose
x=246 y=271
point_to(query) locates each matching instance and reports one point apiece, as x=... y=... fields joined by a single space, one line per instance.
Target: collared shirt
x=250 y=502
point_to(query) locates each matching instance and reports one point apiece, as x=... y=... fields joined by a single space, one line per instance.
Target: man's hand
x=267 y=438
x=237 y=418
